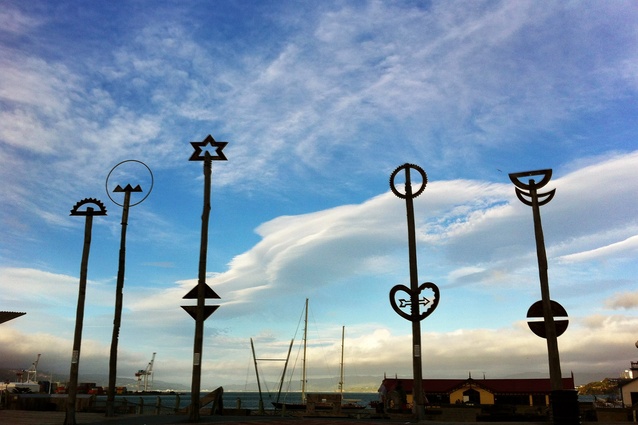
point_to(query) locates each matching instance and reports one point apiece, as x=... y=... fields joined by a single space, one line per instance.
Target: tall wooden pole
x=201 y=297
x=79 y=321
x=201 y=312
x=79 y=315
x=117 y=319
x=415 y=316
x=555 y=375
x=417 y=366
x=564 y=402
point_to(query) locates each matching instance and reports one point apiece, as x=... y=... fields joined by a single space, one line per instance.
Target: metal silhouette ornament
x=536 y=318
x=527 y=193
x=430 y=302
x=202 y=153
x=128 y=190
x=202 y=291
x=128 y=187
x=413 y=297
x=93 y=208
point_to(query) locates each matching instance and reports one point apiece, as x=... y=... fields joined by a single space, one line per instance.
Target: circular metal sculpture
x=408 y=182
x=537 y=319
x=129 y=188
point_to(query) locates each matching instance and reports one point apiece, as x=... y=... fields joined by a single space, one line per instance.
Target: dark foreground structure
x=14 y=417
x=489 y=400
x=42 y=409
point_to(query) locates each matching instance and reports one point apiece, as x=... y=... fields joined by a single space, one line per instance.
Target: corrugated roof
x=5 y=316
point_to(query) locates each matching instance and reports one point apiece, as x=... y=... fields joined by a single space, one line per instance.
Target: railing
x=138 y=405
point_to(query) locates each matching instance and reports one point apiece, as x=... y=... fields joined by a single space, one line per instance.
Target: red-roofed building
x=529 y=392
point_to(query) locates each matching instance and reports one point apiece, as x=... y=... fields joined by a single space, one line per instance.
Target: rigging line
x=265 y=382
x=299 y=349
x=301 y=317
x=247 y=372
x=328 y=369
x=292 y=372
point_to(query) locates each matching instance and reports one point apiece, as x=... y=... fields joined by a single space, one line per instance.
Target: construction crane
x=32 y=373
x=144 y=374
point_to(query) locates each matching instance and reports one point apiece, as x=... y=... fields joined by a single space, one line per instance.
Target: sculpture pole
x=69 y=419
x=202 y=291
x=564 y=401
x=119 y=300
x=555 y=374
x=528 y=194
x=417 y=365
x=119 y=295
x=415 y=315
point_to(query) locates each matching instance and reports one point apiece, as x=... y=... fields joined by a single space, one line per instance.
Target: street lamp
x=127 y=191
x=412 y=295
x=89 y=212
x=202 y=291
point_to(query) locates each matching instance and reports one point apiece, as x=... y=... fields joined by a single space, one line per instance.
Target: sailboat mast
x=343 y=331
x=283 y=375
x=305 y=346
x=252 y=346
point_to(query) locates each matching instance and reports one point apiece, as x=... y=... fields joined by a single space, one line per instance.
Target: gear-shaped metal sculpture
x=408 y=182
x=101 y=209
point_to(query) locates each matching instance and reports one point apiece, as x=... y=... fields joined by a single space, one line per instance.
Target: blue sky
x=319 y=103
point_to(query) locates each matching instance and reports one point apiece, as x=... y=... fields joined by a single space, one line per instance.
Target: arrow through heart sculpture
x=430 y=302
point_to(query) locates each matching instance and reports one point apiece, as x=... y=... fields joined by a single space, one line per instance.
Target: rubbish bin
x=565 y=409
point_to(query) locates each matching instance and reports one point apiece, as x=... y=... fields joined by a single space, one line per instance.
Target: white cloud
x=625 y=248
x=625 y=300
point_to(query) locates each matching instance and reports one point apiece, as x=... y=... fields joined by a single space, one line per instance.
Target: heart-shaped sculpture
x=430 y=303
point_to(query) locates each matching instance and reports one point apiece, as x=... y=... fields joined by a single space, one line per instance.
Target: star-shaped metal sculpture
x=201 y=154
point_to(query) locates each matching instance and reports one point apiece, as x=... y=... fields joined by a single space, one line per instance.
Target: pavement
x=27 y=417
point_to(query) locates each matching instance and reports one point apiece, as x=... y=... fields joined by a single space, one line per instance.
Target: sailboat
x=303 y=404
